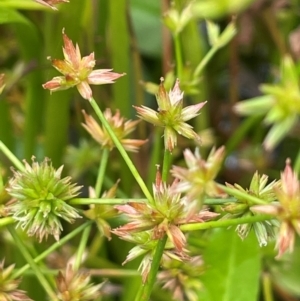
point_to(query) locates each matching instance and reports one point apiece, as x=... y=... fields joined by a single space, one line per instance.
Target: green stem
x=242 y=195
x=166 y=165
x=52 y=248
x=89 y=201
x=15 y=161
x=117 y=201
x=4 y=221
x=178 y=56
x=101 y=171
x=267 y=287
x=122 y=151
x=32 y=264
x=225 y=222
x=205 y=61
x=222 y=201
x=145 y=290
x=297 y=164
x=81 y=248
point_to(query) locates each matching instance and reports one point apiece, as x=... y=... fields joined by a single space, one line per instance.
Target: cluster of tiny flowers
x=171 y=115
x=119 y=125
x=265 y=230
x=39 y=196
x=9 y=286
x=162 y=217
x=286 y=210
x=198 y=179
x=78 y=71
x=73 y=286
x=181 y=278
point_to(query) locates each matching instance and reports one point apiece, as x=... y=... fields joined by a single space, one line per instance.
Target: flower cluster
x=73 y=286
x=181 y=278
x=265 y=230
x=171 y=115
x=101 y=212
x=280 y=103
x=78 y=71
x=162 y=217
x=197 y=181
x=39 y=199
x=9 y=286
x=119 y=125
x=287 y=210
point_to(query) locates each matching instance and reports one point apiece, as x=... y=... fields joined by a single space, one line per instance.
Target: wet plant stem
x=52 y=248
x=101 y=172
x=40 y=276
x=121 y=149
x=14 y=160
x=145 y=290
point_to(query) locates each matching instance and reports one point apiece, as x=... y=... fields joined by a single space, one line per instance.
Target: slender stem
x=145 y=290
x=117 y=201
x=122 y=151
x=205 y=60
x=166 y=165
x=81 y=248
x=178 y=56
x=15 y=161
x=267 y=287
x=297 y=164
x=108 y=273
x=219 y=201
x=33 y=265
x=88 y=201
x=225 y=222
x=52 y=248
x=242 y=195
x=101 y=171
x=4 y=221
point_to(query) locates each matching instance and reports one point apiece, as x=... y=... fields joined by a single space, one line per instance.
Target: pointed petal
x=192 y=111
x=71 y=53
x=85 y=90
x=103 y=76
x=148 y=115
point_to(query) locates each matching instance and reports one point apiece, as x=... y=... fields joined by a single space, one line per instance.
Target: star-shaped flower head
x=73 y=286
x=51 y=3
x=40 y=198
x=9 y=286
x=119 y=125
x=287 y=211
x=197 y=180
x=261 y=189
x=280 y=104
x=171 y=115
x=78 y=71
x=164 y=216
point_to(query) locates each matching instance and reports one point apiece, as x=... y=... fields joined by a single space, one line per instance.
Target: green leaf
x=233 y=267
x=286 y=272
x=146 y=20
